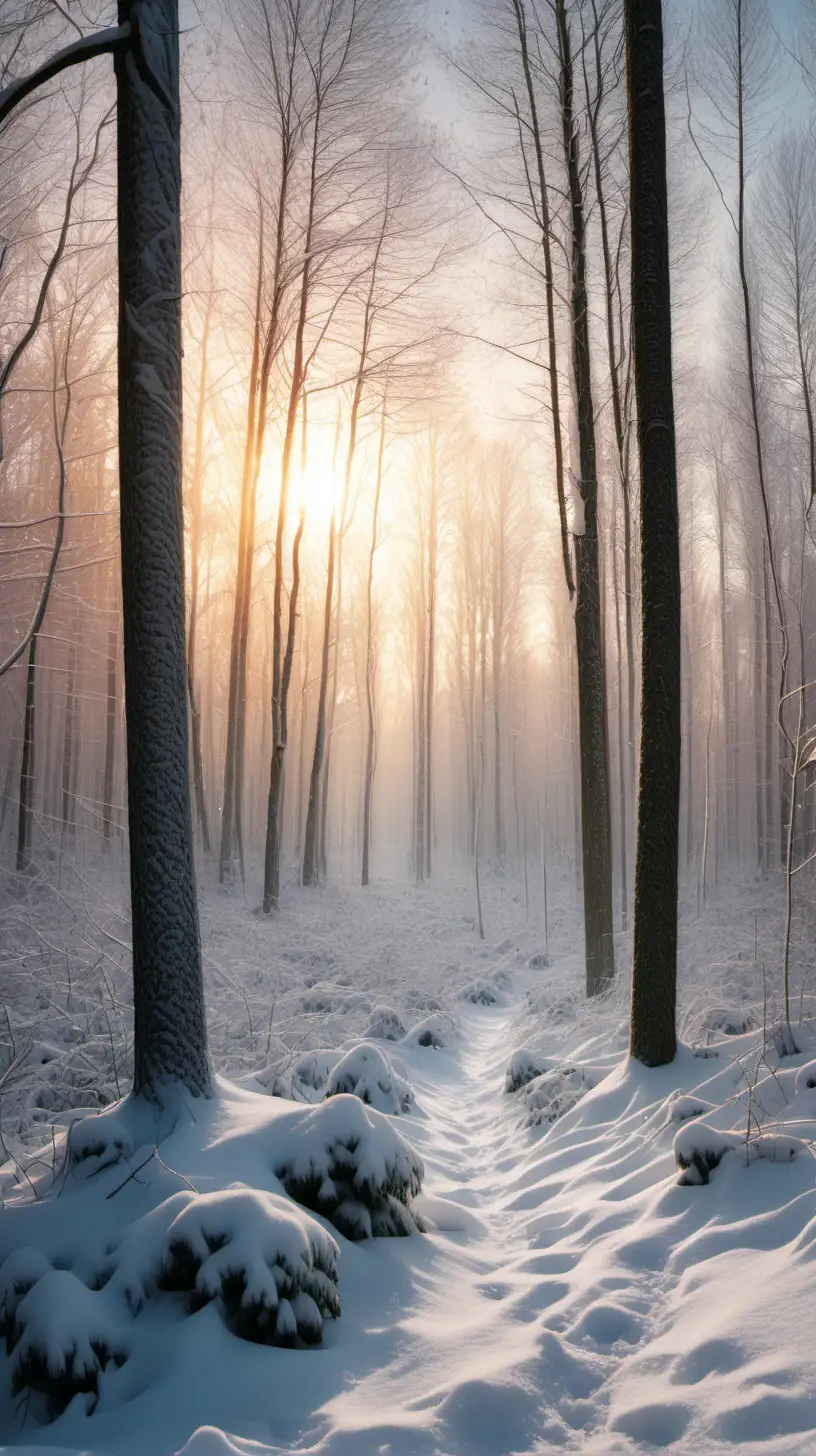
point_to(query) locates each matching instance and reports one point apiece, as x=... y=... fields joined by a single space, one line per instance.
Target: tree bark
x=596 y=834
x=170 y=1038
x=196 y=492
x=25 y=817
x=654 y=965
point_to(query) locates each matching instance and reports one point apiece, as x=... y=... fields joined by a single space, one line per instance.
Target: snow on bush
x=366 y=1072
x=681 y=1107
x=539 y=960
x=524 y=1066
x=348 y=1162
x=432 y=1031
x=18 y=1273
x=699 y=1149
x=272 y=1268
x=311 y=1073
x=385 y=1025
x=481 y=993
x=96 y=1142
x=64 y=1335
x=554 y=1093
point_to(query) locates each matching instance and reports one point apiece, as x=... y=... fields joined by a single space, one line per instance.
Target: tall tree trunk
x=622 y=786
x=280 y=681
x=196 y=493
x=225 y=865
x=371 y=665
x=541 y=204
x=310 y=840
x=25 y=819
x=654 y=965
x=170 y=1038
x=596 y=835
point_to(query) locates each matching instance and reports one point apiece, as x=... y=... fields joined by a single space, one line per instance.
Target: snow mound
x=699 y=1149
x=311 y=1073
x=523 y=1067
x=433 y=1031
x=272 y=1268
x=23 y=1268
x=681 y=1107
x=539 y=960
x=482 y=992
x=385 y=1025
x=64 y=1336
x=366 y=1072
x=554 y=1093
x=348 y=1162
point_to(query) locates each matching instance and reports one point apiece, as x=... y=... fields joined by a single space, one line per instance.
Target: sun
x=315 y=490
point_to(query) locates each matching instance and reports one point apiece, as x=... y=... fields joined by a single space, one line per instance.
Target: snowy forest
x=408 y=709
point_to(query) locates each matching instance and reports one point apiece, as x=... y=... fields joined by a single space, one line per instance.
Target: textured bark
x=25 y=818
x=654 y=965
x=170 y=1040
x=196 y=492
x=596 y=833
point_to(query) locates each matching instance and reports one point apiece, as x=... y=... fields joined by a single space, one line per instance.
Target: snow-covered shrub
x=699 y=1149
x=432 y=1031
x=96 y=1142
x=272 y=1268
x=132 y=1262
x=481 y=993
x=311 y=1073
x=681 y=1107
x=553 y=1093
x=728 y=1021
x=366 y=1072
x=349 y=1163
x=385 y=1025
x=64 y=1335
x=539 y=961
x=18 y=1273
x=523 y=1067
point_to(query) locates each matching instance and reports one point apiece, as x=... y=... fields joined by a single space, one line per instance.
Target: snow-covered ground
x=614 y=1260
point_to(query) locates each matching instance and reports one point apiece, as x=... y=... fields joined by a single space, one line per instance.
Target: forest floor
x=569 y=1294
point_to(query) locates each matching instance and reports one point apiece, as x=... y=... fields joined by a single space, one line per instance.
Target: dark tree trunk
x=596 y=833
x=654 y=966
x=310 y=839
x=26 y=813
x=196 y=491
x=170 y=1038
